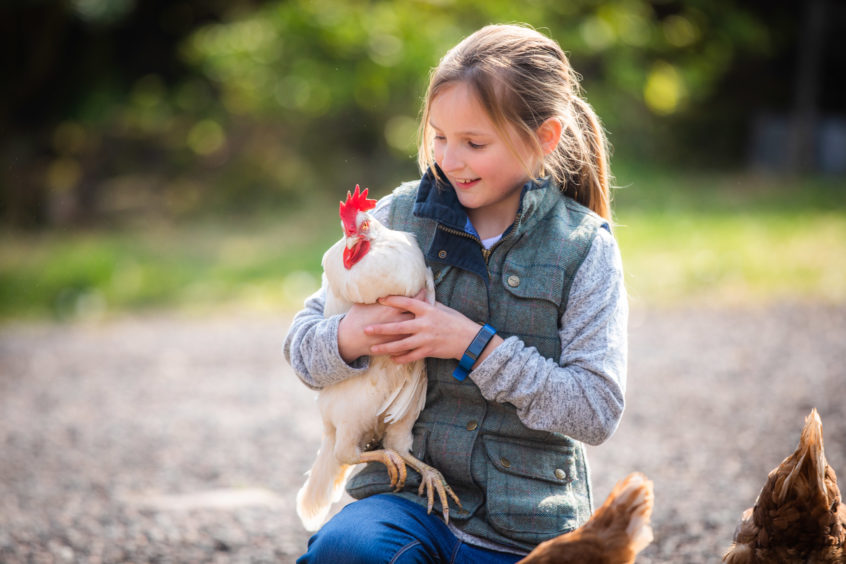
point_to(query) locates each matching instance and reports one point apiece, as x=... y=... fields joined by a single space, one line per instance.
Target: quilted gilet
x=518 y=486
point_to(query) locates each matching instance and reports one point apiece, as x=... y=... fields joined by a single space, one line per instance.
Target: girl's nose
x=450 y=160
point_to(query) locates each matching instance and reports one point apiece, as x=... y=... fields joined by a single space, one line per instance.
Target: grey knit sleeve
x=582 y=394
x=311 y=346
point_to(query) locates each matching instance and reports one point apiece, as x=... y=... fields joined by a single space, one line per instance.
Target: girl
x=513 y=215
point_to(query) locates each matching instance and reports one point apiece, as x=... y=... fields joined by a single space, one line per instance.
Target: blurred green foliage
x=685 y=238
x=344 y=80
x=189 y=153
x=263 y=104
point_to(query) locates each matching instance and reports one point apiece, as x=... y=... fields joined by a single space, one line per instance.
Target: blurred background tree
x=113 y=110
x=184 y=153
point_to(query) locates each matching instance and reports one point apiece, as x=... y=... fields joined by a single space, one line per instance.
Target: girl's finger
x=404 y=358
x=404 y=303
x=397 y=328
x=399 y=346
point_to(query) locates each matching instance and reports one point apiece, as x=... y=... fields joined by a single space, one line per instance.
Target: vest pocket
x=530 y=495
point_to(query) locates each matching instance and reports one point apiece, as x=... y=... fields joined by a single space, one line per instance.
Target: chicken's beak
x=352 y=241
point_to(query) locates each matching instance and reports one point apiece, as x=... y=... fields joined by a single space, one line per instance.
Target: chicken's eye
x=365 y=227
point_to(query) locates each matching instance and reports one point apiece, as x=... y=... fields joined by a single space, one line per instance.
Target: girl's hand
x=353 y=342
x=434 y=331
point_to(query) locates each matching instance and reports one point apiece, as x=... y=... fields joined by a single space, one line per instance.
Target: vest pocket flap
x=533 y=281
x=555 y=464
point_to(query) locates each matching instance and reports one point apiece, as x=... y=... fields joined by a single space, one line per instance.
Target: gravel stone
x=165 y=439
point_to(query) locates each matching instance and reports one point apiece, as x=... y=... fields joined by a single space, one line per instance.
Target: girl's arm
x=311 y=346
x=581 y=395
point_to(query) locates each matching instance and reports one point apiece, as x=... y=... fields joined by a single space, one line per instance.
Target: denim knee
x=379 y=529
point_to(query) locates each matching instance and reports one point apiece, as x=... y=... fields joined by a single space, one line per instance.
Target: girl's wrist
x=486 y=352
x=479 y=346
x=468 y=333
x=346 y=347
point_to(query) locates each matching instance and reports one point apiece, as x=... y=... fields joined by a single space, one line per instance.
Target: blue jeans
x=389 y=529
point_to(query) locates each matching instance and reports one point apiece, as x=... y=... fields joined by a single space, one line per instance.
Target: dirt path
x=177 y=440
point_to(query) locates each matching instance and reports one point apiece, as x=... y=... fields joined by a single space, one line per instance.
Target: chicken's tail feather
x=324 y=486
x=635 y=495
x=809 y=452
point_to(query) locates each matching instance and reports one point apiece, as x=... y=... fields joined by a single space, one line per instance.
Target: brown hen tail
x=809 y=458
x=630 y=504
x=798 y=507
x=616 y=532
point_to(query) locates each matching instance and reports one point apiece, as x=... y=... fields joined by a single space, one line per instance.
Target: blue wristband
x=483 y=337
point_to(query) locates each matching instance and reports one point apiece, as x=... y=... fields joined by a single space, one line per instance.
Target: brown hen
x=798 y=516
x=614 y=534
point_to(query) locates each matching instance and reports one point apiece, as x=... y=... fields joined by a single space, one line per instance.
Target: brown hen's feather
x=614 y=534
x=798 y=516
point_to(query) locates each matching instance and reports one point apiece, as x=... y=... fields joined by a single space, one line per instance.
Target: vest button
x=442 y=254
x=471 y=425
x=513 y=280
x=505 y=462
x=560 y=474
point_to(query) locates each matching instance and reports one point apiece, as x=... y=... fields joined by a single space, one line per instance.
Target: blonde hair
x=522 y=78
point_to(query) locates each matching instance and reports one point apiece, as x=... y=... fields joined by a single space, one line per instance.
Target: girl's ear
x=549 y=133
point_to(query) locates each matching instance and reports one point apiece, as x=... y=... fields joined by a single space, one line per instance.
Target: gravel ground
x=184 y=440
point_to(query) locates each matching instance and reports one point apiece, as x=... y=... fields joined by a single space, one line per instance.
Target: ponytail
x=582 y=160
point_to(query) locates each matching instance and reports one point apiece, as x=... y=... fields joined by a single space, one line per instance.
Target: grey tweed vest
x=518 y=486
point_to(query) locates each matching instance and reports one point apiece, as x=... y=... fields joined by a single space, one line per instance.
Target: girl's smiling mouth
x=465 y=182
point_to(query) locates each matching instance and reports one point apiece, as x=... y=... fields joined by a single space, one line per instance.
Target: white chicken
x=379 y=406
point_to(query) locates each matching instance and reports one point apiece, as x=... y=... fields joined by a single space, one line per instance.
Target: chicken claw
x=432 y=480
x=393 y=461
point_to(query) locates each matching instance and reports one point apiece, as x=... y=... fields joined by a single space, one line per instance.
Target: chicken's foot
x=432 y=480
x=392 y=460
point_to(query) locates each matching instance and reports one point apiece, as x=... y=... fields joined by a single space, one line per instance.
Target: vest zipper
x=486 y=253
x=460 y=233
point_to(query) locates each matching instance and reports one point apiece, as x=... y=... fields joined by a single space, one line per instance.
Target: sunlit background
x=170 y=177
x=189 y=154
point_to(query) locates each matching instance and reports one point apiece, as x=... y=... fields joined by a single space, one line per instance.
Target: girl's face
x=485 y=172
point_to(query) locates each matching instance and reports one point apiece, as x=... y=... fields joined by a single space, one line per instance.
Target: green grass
x=718 y=238
x=728 y=238
x=258 y=265
x=734 y=258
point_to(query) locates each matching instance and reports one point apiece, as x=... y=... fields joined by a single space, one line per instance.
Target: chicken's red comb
x=355 y=203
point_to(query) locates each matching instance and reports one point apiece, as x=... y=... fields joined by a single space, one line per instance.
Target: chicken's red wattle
x=355 y=253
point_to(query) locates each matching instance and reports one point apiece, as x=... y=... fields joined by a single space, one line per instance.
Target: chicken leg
x=392 y=461
x=431 y=480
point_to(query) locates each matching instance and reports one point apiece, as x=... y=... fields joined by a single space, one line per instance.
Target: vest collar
x=437 y=201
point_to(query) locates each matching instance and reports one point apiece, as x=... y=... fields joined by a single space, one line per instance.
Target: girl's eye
x=474 y=145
